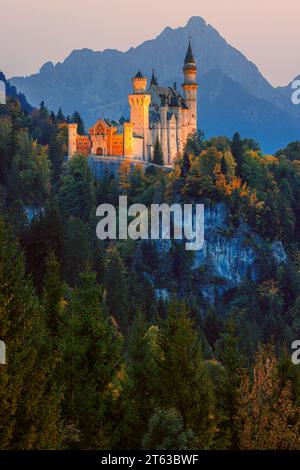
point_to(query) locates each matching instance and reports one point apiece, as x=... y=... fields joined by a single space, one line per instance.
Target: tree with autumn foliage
x=267 y=419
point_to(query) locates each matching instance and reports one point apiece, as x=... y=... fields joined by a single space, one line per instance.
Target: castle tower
x=164 y=129
x=190 y=88
x=72 y=139
x=139 y=102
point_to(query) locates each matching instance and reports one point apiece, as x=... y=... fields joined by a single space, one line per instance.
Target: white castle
x=156 y=113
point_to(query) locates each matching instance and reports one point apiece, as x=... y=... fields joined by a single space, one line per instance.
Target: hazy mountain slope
x=97 y=83
x=221 y=98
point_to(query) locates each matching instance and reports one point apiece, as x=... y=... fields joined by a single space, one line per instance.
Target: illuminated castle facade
x=155 y=113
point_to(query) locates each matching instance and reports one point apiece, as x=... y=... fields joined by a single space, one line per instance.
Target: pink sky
x=34 y=31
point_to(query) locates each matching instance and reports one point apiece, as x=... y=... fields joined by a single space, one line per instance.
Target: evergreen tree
x=53 y=295
x=237 y=150
x=29 y=401
x=229 y=354
x=60 y=116
x=76 y=118
x=158 y=158
x=53 y=117
x=78 y=249
x=77 y=190
x=116 y=295
x=92 y=365
x=43 y=110
x=140 y=369
x=166 y=431
x=44 y=236
x=182 y=380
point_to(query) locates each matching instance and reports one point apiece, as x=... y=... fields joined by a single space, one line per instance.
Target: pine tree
x=53 y=117
x=78 y=249
x=185 y=165
x=166 y=431
x=76 y=118
x=158 y=158
x=230 y=357
x=116 y=295
x=140 y=370
x=44 y=236
x=43 y=110
x=77 y=190
x=60 y=116
x=29 y=401
x=182 y=380
x=93 y=365
x=53 y=295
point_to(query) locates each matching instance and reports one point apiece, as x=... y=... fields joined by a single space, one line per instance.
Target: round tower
x=139 y=102
x=139 y=83
x=190 y=89
x=72 y=139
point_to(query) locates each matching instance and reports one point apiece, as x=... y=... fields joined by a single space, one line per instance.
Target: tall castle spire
x=153 y=78
x=190 y=88
x=189 y=57
x=189 y=67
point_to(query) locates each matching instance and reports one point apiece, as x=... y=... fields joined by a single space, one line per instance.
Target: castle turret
x=72 y=139
x=139 y=83
x=190 y=88
x=139 y=102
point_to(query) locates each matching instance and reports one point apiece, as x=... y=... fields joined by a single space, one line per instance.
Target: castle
x=155 y=113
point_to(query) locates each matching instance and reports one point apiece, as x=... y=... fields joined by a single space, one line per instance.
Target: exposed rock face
x=229 y=255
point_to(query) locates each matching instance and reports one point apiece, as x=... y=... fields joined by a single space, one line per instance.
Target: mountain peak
x=98 y=84
x=196 y=23
x=47 y=67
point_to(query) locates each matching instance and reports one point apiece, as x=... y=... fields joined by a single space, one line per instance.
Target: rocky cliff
x=229 y=254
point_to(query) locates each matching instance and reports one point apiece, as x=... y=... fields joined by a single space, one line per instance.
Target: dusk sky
x=34 y=31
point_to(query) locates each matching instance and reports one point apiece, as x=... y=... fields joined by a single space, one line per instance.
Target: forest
x=110 y=344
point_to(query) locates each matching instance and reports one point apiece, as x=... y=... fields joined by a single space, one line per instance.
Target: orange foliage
x=267 y=417
x=124 y=172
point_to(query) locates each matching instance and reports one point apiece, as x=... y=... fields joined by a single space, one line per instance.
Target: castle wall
x=83 y=144
x=128 y=139
x=117 y=144
x=172 y=141
x=164 y=132
x=99 y=145
x=138 y=148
